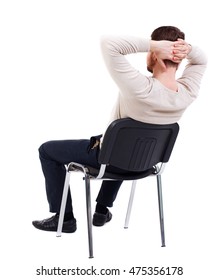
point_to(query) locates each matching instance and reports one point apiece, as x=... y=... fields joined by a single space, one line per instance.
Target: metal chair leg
x=131 y=198
x=89 y=215
x=161 y=213
x=63 y=204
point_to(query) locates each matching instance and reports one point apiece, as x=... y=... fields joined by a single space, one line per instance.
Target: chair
x=137 y=150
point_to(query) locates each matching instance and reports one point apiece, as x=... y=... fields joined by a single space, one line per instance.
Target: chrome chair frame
x=158 y=171
x=73 y=166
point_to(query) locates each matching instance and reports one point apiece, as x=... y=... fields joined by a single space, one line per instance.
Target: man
x=159 y=99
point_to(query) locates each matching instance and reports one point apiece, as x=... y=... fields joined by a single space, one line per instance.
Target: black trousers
x=54 y=155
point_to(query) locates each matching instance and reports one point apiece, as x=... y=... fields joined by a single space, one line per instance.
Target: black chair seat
x=124 y=175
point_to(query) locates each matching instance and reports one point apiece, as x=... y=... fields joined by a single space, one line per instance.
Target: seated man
x=158 y=99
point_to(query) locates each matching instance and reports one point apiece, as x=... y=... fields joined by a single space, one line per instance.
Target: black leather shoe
x=100 y=219
x=51 y=224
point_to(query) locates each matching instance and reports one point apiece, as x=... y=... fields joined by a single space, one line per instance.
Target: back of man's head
x=170 y=33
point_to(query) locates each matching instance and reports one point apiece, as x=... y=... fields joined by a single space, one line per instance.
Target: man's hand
x=180 y=50
x=174 y=51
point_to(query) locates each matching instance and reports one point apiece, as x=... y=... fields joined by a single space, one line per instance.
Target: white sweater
x=144 y=98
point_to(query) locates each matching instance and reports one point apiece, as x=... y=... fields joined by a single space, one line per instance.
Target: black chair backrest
x=136 y=146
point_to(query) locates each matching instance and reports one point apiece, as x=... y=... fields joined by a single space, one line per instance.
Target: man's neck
x=166 y=77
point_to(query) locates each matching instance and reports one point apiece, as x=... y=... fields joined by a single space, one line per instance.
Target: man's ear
x=159 y=61
x=153 y=56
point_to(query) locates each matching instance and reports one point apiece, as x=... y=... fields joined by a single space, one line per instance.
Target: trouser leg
x=108 y=192
x=54 y=155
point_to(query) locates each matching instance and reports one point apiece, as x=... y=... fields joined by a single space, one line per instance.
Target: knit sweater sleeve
x=194 y=71
x=128 y=79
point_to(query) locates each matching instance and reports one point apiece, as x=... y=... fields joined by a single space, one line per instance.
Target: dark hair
x=170 y=33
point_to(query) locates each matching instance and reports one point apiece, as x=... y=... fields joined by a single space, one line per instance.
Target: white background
x=54 y=85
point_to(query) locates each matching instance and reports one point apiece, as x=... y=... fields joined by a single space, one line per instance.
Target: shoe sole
x=64 y=230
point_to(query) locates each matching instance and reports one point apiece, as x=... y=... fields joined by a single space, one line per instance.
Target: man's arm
x=194 y=70
x=114 y=50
